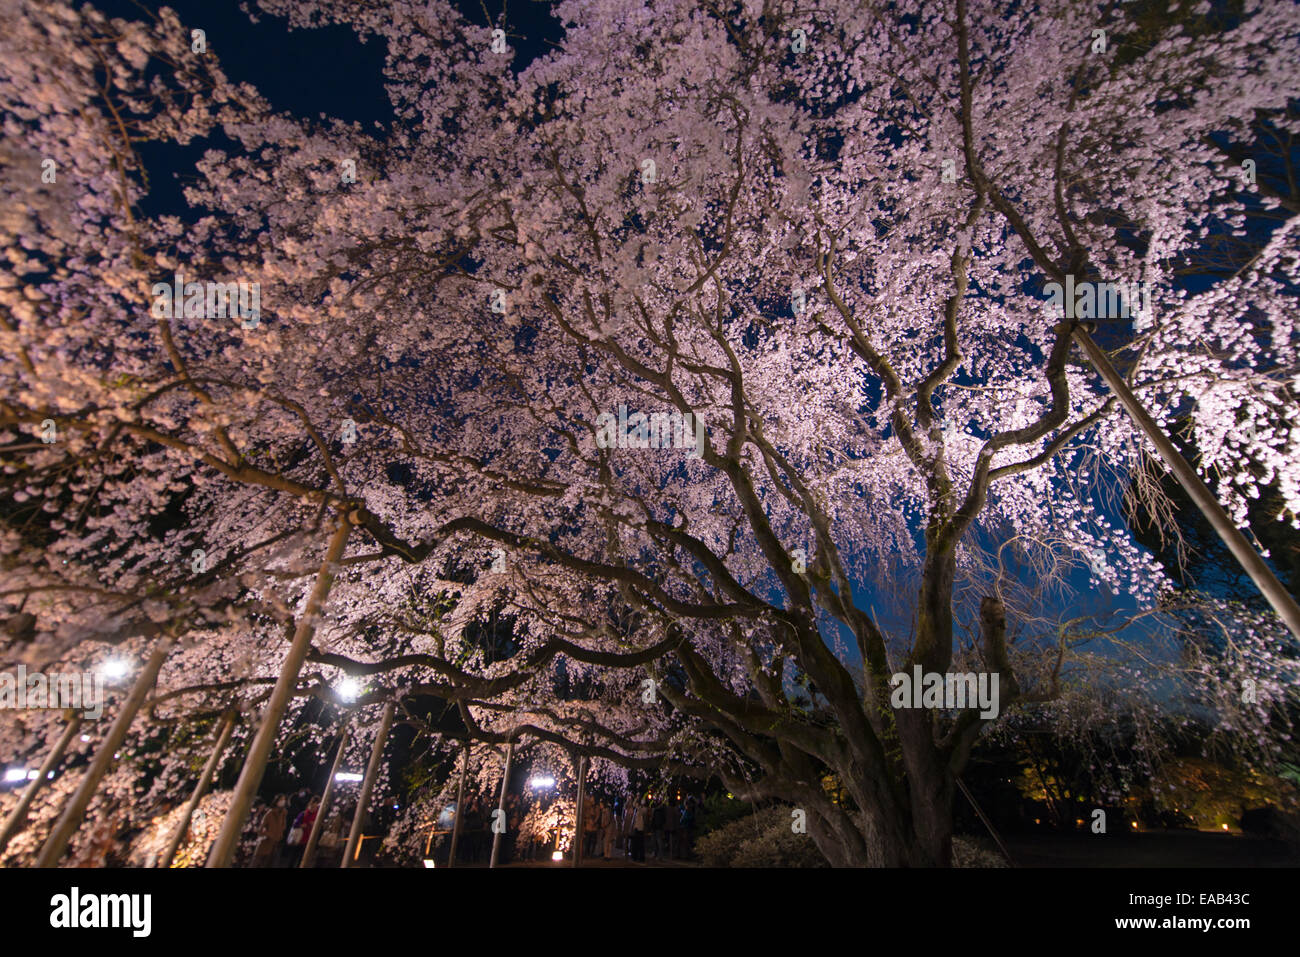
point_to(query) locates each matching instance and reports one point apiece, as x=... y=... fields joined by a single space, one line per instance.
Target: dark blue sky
x=308 y=73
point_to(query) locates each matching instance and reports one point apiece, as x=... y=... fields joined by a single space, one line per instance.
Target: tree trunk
x=870 y=841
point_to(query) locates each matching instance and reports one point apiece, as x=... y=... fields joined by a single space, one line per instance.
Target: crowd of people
x=610 y=829
x=614 y=829
x=663 y=827
x=285 y=828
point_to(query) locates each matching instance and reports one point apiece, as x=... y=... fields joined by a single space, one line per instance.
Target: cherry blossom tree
x=916 y=400
x=679 y=348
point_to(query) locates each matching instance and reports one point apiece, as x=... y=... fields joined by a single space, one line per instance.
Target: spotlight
x=114 y=668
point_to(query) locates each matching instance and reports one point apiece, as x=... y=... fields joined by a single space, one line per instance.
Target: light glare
x=114 y=668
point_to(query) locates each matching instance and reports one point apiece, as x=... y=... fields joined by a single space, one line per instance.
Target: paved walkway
x=1182 y=848
x=612 y=862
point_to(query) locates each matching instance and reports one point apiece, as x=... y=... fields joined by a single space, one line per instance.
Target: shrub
x=762 y=839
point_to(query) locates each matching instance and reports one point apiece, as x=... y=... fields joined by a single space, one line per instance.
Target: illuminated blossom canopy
x=822 y=231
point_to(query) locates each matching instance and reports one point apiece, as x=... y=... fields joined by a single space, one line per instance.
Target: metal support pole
x=460 y=807
x=18 y=816
x=501 y=804
x=987 y=823
x=75 y=809
x=250 y=778
x=579 y=835
x=372 y=770
x=1196 y=490
x=205 y=779
x=318 y=825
